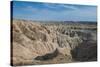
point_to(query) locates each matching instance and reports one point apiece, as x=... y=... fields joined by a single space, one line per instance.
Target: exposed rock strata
x=34 y=42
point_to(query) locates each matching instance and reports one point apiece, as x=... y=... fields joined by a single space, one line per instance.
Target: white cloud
x=69 y=6
x=61 y=6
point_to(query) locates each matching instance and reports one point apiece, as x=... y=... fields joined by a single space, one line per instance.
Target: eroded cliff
x=37 y=43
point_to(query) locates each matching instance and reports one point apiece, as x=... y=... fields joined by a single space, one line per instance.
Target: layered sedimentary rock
x=37 y=43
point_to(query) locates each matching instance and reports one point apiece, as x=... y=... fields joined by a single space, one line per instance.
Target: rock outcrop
x=35 y=43
x=48 y=56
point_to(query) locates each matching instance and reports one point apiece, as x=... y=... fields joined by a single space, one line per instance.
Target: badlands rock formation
x=43 y=43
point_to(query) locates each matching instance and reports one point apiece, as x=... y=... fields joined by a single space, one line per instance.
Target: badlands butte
x=38 y=42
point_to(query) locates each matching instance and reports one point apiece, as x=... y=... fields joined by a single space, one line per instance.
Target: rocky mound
x=36 y=43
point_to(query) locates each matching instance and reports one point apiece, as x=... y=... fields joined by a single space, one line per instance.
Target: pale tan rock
x=33 y=39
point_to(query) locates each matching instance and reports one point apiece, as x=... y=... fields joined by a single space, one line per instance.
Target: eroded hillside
x=41 y=43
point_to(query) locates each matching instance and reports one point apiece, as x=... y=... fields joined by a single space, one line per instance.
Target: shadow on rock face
x=48 y=56
x=86 y=51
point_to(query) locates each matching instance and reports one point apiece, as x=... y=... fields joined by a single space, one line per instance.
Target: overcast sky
x=53 y=12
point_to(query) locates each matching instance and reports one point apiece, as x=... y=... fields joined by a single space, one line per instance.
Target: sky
x=40 y=11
